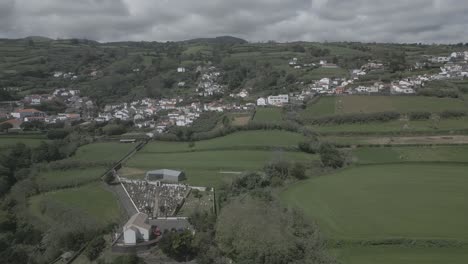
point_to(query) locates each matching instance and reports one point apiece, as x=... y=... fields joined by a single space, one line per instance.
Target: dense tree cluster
x=251 y=230
x=331 y=156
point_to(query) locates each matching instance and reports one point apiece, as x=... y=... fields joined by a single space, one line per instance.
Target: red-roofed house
x=14 y=122
x=30 y=113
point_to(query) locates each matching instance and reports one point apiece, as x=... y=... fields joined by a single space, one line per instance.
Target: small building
x=136 y=229
x=278 y=99
x=261 y=101
x=181 y=69
x=165 y=175
x=31 y=112
x=16 y=123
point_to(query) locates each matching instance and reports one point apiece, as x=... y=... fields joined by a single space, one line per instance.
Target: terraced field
x=372 y=104
x=268 y=114
x=211 y=162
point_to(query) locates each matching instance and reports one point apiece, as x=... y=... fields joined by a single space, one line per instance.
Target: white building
x=278 y=99
x=136 y=229
x=261 y=101
x=181 y=69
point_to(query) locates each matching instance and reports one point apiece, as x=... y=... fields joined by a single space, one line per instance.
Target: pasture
x=401 y=255
x=397 y=126
x=238 y=140
x=338 y=105
x=370 y=155
x=92 y=201
x=387 y=202
x=268 y=114
x=103 y=152
x=396 y=140
x=8 y=141
x=209 y=168
x=319 y=73
x=55 y=179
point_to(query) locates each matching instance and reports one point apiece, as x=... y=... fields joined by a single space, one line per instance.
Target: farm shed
x=165 y=175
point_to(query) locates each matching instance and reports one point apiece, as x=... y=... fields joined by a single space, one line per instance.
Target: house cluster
x=294 y=62
x=144 y=112
x=242 y=94
x=274 y=100
x=76 y=108
x=209 y=83
x=366 y=68
x=65 y=75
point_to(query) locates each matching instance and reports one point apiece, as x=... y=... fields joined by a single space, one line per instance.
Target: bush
x=309 y=146
x=452 y=114
x=438 y=93
x=114 y=129
x=298 y=171
x=95 y=248
x=109 y=177
x=419 y=115
x=178 y=245
x=57 y=134
x=331 y=156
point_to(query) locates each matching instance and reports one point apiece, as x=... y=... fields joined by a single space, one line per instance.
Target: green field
x=96 y=203
x=103 y=152
x=387 y=202
x=10 y=141
x=268 y=114
x=370 y=104
x=208 y=168
x=397 y=126
x=395 y=140
x=320 y=73
x=56 y=179
x=401 y=255
x=369 y=155
x=238 y=140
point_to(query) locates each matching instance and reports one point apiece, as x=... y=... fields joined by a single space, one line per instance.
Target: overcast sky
x=440 y=21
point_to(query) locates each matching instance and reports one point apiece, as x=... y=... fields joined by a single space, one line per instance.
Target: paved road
x=124 y=200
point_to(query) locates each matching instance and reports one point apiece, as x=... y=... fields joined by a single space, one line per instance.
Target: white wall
x=129 y=237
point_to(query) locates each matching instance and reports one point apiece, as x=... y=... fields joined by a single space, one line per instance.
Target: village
x=157 y=115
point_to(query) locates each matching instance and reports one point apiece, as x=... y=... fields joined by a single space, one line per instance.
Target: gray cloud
x=440 y=21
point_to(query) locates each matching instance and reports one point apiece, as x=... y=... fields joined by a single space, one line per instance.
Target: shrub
x=452 y=114
x=114 y=129
x=309 y=146
x=331 y=156
x=95 y=248
x=298 y=171
x=57 y=134
x=419 y=115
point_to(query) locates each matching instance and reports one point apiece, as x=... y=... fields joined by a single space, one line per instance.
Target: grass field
x=388 y=201
x=56 y=179
x=320 y=73
x=369 y=155
x=397 y=126
x=239 y=140
x=31 y=141
x=371 y=104
x=401 y=255
x=103 y=152
x=97 y=203
x=396 y=140
x=208 y=168
x=268 y=114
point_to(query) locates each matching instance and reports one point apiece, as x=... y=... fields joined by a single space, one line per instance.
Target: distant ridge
x=217 y=40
